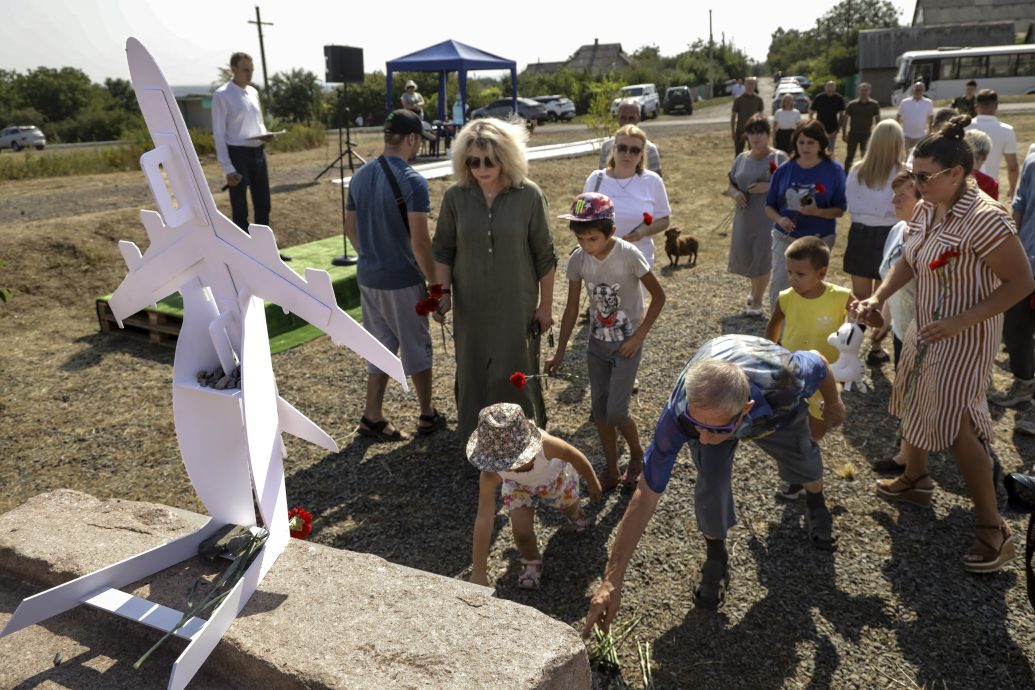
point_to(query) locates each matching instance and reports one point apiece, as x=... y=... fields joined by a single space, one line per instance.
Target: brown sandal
x=910 y=494
x=992 y=558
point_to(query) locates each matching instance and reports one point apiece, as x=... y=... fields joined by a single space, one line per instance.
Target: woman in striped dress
x=948 y=352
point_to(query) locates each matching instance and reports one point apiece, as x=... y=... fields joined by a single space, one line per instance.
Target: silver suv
x=644 y=94
x=17 y=138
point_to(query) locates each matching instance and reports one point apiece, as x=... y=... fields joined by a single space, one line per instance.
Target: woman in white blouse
x=869 y=193
x=634 y=191
x=785 y=121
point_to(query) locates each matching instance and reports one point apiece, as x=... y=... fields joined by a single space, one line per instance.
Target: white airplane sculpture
x=230 y=440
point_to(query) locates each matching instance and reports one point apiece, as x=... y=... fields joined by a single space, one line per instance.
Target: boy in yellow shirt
x=809 y=311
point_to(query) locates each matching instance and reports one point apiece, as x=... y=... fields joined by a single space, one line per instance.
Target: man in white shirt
x=915 y=114
x=629 y=114
x=239 y=133
x=1004 y=139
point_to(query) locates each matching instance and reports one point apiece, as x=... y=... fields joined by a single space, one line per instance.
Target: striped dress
x=955 y=372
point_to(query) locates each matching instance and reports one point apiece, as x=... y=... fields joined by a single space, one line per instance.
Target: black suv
x=678 y=99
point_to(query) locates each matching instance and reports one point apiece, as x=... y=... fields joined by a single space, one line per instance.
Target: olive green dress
x=498 y=257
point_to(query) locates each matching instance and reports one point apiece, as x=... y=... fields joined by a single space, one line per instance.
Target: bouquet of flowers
x=431 y=304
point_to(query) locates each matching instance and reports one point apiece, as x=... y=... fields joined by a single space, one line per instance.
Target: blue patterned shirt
x=781 y=384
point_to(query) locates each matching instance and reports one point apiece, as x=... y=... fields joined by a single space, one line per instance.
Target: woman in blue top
x=806 y=197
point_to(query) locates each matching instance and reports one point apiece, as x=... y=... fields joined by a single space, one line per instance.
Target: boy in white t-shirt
x=613 y=270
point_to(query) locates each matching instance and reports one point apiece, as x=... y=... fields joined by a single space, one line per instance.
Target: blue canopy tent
x=450 y=56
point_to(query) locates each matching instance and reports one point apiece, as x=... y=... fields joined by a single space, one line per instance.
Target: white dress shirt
x=1004 y=140
x=236 y=118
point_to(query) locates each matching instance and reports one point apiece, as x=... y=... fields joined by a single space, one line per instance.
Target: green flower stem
x=219 y=590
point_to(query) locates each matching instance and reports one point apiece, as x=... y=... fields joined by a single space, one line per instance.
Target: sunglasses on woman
x=474 y=162
x=721 y=429
x=634 y=150
x=924 y=178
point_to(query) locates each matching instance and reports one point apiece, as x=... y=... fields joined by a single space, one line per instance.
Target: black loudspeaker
x=344 y=64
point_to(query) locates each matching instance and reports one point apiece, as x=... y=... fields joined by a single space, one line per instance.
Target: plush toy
x=848 y=368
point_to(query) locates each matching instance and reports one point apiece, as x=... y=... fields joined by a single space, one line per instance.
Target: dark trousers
x=855 y=141
x=1018 y=329
x=250 y=163
x=739 y=146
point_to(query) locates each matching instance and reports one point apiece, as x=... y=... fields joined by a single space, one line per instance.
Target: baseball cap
x=404 y=121
x=590 y=206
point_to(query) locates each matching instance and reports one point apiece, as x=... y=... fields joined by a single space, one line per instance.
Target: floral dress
x=955 y=372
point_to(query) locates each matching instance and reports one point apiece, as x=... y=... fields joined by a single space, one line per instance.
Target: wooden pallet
x=159 y=328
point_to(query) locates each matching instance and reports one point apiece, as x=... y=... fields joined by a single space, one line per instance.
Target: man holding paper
x=239 y=134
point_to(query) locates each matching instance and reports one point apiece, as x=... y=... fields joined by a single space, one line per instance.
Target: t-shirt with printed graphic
x=808 y=322
x=781 y=381
x=791 y=183
x=613 y=285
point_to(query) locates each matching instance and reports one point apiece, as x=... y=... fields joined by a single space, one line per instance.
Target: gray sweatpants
x=798 y=461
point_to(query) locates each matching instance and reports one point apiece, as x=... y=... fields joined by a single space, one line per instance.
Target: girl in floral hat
x=532 y=466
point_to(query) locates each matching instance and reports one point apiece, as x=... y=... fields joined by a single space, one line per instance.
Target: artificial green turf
x=288 y=330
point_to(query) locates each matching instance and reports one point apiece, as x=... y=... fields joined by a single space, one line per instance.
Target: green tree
x=296 y=96
x=122 y=94
x=830 y=47
x=57 y=94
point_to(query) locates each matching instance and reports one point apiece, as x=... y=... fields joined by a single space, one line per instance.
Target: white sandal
x=530 y=575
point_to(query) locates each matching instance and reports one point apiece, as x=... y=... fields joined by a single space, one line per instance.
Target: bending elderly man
x=736 y=387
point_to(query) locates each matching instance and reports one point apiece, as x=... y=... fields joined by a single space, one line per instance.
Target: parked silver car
x=18 y=138
x=801 y=101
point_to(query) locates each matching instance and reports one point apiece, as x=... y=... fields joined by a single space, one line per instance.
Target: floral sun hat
x=504 y=439
x=590 y=206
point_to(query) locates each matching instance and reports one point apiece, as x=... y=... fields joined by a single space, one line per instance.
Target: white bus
x=945 y=71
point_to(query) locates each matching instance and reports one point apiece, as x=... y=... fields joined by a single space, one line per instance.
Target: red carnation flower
x=647 y=218
x=436 y=290
x=518 y=379
x=772 y=167
x=300 y=522
x=950 y=255
x=937 y=263
x=820 y=189
x=428 y=305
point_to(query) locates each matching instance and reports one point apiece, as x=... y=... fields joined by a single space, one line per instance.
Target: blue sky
x=191 y=39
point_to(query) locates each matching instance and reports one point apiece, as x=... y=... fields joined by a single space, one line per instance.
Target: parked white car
x=557 y=107
x=18 y=138
x=644 y=94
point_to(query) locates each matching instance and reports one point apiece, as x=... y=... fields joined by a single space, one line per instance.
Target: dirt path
x=891 y=607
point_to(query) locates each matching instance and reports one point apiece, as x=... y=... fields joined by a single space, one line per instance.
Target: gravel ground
x=891 y=607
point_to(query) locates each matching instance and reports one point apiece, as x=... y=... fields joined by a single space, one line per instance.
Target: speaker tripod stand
x=344 y=149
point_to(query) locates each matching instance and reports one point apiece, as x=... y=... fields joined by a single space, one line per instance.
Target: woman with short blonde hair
x=494 y=256
x=636 y=133
x=505 y=143
x=639 y=196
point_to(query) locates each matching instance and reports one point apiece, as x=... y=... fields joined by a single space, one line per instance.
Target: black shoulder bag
x=399 y=200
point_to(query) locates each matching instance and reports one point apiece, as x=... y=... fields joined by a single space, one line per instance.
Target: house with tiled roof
x=596 y=58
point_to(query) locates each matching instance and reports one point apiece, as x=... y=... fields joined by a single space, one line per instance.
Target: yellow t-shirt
x=808 y=322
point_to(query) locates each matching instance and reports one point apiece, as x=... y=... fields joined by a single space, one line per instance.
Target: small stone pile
x=219 y=380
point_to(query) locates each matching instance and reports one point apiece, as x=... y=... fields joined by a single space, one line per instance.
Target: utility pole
x=711 y=78
x=262 y=53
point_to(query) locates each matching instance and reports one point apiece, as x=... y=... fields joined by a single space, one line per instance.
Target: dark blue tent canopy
x=450 y=56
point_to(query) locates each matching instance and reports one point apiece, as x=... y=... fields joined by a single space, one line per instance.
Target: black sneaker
x=887 y=466
x=789 y=492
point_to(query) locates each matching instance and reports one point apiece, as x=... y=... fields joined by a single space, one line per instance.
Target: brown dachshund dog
x=676 y=246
